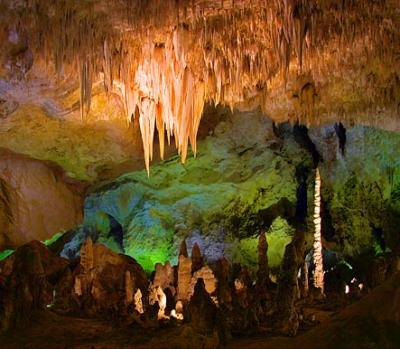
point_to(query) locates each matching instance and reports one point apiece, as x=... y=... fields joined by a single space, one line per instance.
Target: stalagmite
x=78 y=286
x=197 y=258
x=184 y=277
x=139 y=302
x=208 y=277
x=287 y=291
x=317 y=245
x=128 y=287
x=164 y=277
x=157 y=295
x=87 y=255
x=304 y=287
x=183 y=249
x=263 y=271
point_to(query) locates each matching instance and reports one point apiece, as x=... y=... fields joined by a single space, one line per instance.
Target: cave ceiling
x=313 y=61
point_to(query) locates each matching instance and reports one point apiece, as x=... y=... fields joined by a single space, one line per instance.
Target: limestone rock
x=29 y=283
x=36 y=199
x=202 y=312
x=197 y=258
x=104 y=282
x=263 y=271
x=221 y=272
x=288 y=291
x=7 y=107
x=86 y=253
x=207 y=275
x=129 y=287
x=183 y=249
x=164 y=276
x=184 y=278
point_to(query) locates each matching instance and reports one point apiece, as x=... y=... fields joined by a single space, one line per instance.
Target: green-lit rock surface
x=361 y=189
x=247 y=177
x=241 y=180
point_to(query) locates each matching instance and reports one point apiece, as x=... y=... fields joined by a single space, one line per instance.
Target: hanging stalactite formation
x=167 y=58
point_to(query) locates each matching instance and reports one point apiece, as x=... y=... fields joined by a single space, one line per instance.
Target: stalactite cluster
x=167 y=58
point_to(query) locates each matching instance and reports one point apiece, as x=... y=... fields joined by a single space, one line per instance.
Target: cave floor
x=372 y=322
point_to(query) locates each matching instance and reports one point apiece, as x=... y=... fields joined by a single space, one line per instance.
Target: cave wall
x=36 y=200
x=360 y=188
x=241 y=181
x=251 y=175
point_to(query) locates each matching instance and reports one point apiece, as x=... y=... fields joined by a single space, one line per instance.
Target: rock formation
x=29 y=276
x=209 y=280
x=103 y=281
x=184 y=277
x=263 y=271
x=318 y=276
x=37 y=200
x=202 y=312
x=197 y=258
x=183 y=249
x=164 y=277
x=287 y=292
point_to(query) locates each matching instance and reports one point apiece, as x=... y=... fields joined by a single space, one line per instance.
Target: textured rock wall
x=36 y=200
x=360 y=189
x=242 y=179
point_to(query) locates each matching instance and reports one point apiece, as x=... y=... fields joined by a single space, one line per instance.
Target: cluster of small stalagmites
x=214 y=299
x=103 y=282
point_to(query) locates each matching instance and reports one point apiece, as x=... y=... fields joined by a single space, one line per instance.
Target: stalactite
x=317 y=246
x=168 y=63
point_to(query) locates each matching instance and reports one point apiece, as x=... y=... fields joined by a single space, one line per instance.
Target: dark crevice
x=379 y=237
x=116 y=232
x=341 y=134
x=327 y=229
x=301 y=136
x=302 y=173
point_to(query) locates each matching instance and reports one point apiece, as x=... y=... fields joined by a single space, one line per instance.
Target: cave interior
x=200 y=174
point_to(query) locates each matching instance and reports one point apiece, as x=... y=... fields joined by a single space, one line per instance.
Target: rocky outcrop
x=288 y=290
x=202 y=312
x=184 y=277
x=103 y=283
x=263 y=271
x=37 y=200
x=197 y=258
x=27 y=282
x=238 y=181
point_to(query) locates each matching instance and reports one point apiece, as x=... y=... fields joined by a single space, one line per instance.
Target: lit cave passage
x=199 y=174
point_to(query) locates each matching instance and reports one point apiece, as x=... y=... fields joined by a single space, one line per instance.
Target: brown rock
x=164 y=277
x=201 y=312
x=207 y=275
x=197 y=258
x=36 y=200
x=183 y=249
x=223 y=289
x=288 y=291
x=104 y=282
x=30 y=278
x=184 y=278
x=263 y=271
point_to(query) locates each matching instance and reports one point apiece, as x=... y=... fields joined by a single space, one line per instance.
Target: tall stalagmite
x=263 y=271
x=317 y=256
